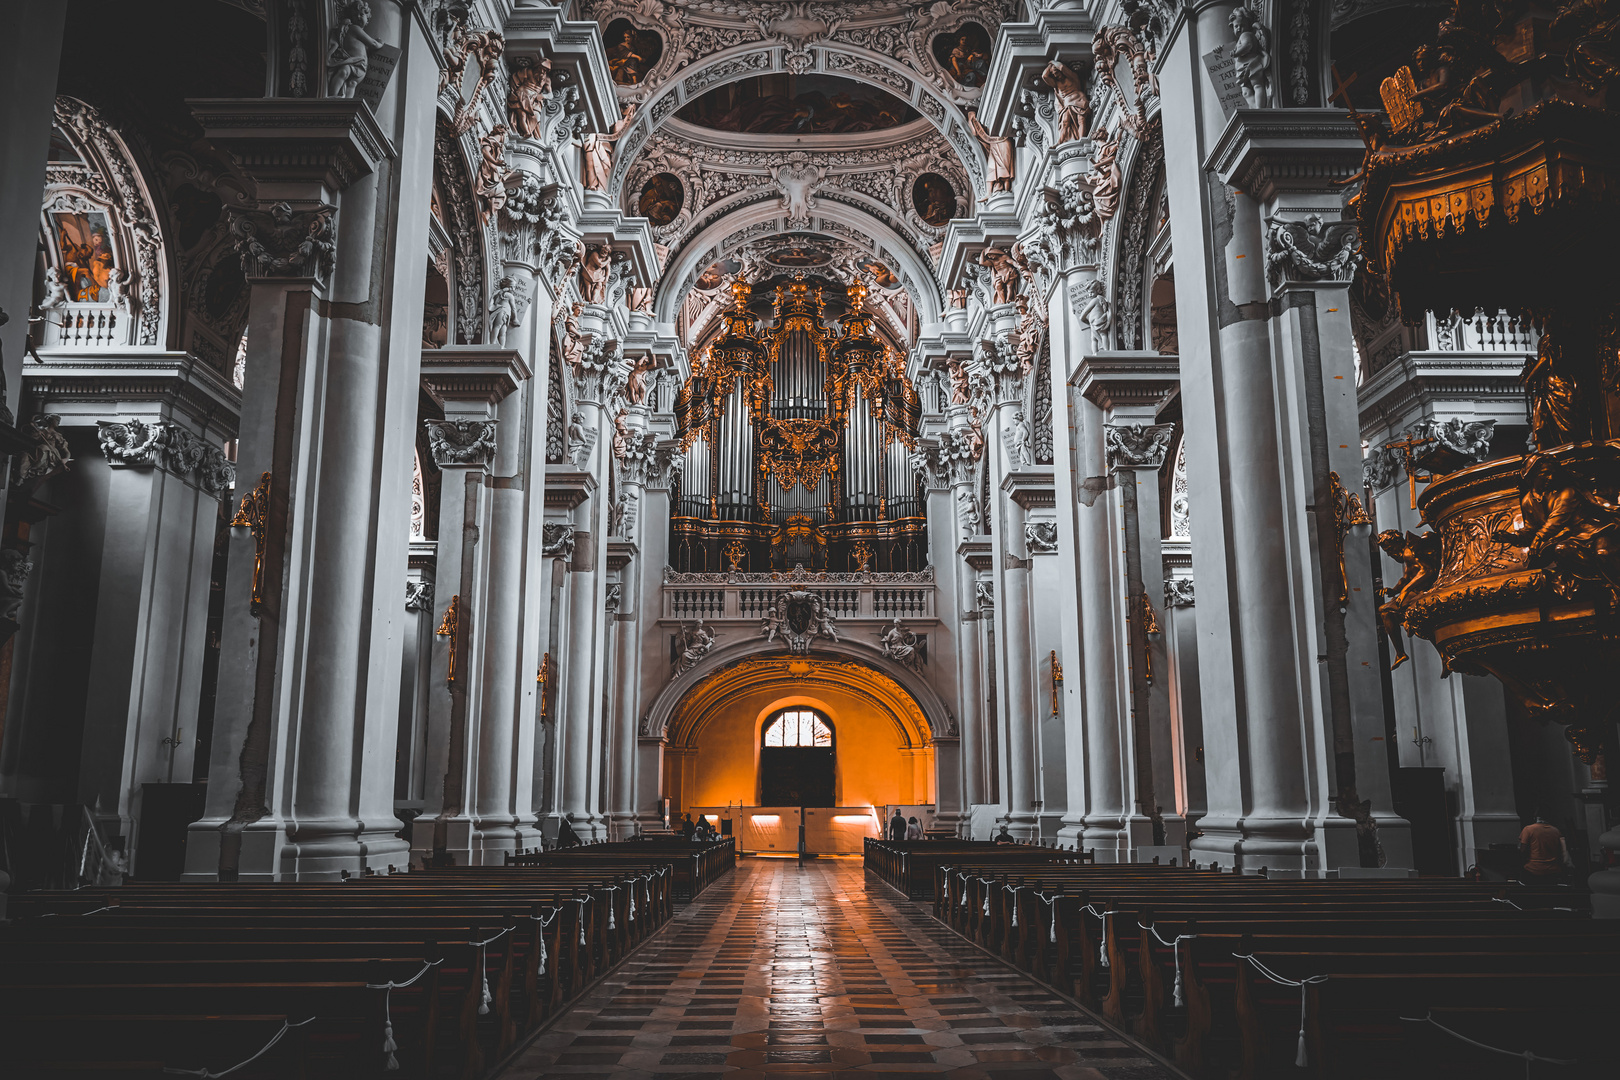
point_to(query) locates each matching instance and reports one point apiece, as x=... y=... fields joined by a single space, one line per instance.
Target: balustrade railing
x=870 y=596
x=85 y=326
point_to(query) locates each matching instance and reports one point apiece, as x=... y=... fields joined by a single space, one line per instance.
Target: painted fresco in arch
x=964 y=53
x=661 y=199
x=787 y=104
x=631 y=51
x=934 y=199
x=84 y=244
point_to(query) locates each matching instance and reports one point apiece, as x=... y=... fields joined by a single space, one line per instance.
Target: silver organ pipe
x=737 y=456
x=902 y=482
x=695 y=479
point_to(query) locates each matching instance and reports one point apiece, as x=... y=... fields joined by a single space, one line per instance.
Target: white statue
x=1016 y=439
x=967 y=513
x=900 y=644
x=999 y=154
x=56 y=291
x=349 y=56
x=1091 y=308
x=502 y=311
x=1251 y=49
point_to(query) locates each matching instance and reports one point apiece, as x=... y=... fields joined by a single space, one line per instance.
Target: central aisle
x=811 y=969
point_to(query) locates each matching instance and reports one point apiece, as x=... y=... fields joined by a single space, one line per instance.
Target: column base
x=1107 y=837
x=270 y=850
x=1282 y=847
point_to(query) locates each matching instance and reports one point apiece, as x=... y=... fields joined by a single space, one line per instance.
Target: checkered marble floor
x=812 y=969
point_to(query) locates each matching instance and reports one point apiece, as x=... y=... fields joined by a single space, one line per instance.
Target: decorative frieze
x=557 y=540
x=1041 y=537
x=165 y=444
x=282 y=242
x=1137 y=446
x=1178 y=592
x=418 y=596
x=461 y=442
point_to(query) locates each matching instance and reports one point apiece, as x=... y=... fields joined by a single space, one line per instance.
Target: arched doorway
x=715 y=745
x=797 y=760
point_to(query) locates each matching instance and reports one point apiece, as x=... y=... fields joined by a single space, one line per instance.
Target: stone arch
x=105 y=186
x=741 y=220
x=931 y=717
x=1133 y=228
x=827 y=58
x=468 y=251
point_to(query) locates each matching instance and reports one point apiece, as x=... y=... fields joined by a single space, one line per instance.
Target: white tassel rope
x=1175 y=952
x=485 y=997
x=1102 y=946
x=1529 y=1056
x=1014 y=890
x=582 y=904
x=545 y=922
x=1051 y=901
x=1300 y=1059
x=286 y=1026
x=391 y=1063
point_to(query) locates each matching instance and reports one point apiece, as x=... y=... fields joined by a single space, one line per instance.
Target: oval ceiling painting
x=631 y=51
x=934 y=199
x=964 y=53
x=662 y=198
x=787 y=104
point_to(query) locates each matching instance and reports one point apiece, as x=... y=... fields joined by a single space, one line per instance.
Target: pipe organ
x=798 y=441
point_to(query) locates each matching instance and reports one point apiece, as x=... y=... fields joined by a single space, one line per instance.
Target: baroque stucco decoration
x=107 y=181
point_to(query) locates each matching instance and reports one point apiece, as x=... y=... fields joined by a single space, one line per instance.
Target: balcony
x=747 y=597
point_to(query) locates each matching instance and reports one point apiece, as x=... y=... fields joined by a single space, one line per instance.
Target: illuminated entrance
x=754 y=742
x=797 y=760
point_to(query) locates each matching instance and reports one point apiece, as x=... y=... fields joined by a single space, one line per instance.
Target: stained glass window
x=797 y=727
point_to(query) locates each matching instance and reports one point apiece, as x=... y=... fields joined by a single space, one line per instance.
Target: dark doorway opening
x=797 y=760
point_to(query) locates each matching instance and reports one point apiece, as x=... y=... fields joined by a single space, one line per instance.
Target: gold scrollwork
x=1348 y=513
x=1057 y=680
x=254 y=516
x=450 y=627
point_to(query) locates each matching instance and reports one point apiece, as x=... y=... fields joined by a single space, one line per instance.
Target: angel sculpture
x=594 y=264
x=526 y=98
x=1073 y=106
x=1570 y=531
x=635 y=384
x=1000 y=155
x=596 y=151
x=1105 y=179
x=1251 y=49
x=573 y=340
x=349 y=55
x=1004 y=270
x=490 y=186
x=900 y=645
x=1420 y=555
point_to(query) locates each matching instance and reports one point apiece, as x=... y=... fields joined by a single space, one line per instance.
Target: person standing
x=688 y=828
x=566 y=836
x=1546 y=855
x=913 y=830
x=897 y=827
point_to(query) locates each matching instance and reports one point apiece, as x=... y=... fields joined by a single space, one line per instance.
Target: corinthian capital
x=1137 y=446
x=600 y=371
x=285 y=243
x=462 y=442
x=1000 y=369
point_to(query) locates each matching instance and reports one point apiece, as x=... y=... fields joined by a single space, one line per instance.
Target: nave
x=812 y=968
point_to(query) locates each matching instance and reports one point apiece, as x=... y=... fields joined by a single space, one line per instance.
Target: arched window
x=798 y=727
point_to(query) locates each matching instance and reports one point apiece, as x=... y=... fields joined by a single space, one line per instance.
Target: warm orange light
x=765 y=819
x=713 y=817
x=851 y=819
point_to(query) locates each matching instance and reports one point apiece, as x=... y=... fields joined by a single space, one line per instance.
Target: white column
x=302 y=781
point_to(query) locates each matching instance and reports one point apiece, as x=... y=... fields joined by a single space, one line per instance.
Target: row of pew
x=1232 y=975
x=438 y=973
x=697 y=864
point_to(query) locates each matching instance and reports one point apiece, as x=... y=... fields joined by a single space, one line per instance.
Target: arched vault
x=679 y=708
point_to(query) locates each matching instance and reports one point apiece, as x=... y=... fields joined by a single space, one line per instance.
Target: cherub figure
x=1420 y=555
x=350 y=55
x=1251 y=49
x=1570 y=531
